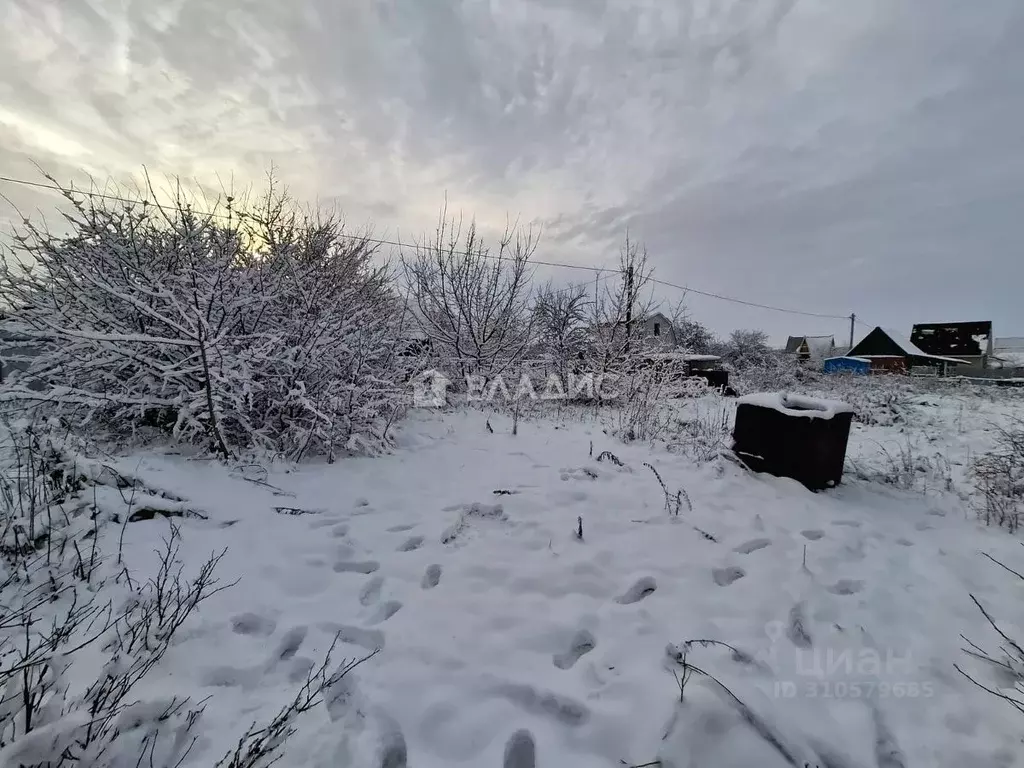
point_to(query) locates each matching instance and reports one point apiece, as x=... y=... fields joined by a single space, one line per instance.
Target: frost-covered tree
x=619 y=309
x=560 y=323
x=472 y=301
x=748 y=348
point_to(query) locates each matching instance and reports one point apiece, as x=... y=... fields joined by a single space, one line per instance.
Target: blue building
x=859 y=365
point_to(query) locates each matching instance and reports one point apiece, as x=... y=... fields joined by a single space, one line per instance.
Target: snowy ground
x=846 y=607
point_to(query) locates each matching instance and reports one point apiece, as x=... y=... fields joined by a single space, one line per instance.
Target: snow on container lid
x=796 y=405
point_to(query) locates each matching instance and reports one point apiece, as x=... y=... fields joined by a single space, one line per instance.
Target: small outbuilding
x=857 y=365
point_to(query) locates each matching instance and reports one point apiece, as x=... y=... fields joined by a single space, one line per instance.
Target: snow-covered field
x=458 y=557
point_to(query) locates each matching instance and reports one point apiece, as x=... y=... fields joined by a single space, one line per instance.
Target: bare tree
x=619 y=310
x=473 y=303
x=560 y=323
x=690 y=334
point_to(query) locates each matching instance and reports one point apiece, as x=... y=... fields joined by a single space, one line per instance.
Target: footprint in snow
x=229 y=677
x=357 y=566
x=796 y=630
x=846 y=587
x=643 y=587
x=905 y=542
x=289 y=645
x=431 y=577
x=542 y=703
x=393 y=750
x=752 y=546
x=410 y=544
x=324 y=522
x=370 y=593
x=725 y=576
x=520 y=751
x=385 y=612
x=252 y=624
x=813 y=534
x=400 y=528
x=340 y=697
x=848 y=523
x=369 y=639
x=340 y=531
x=582 y=643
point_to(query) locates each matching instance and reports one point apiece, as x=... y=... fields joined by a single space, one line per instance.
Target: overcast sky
x=825 y=155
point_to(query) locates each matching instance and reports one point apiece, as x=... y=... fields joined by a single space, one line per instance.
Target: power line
x=399 y=244
x=749 y=303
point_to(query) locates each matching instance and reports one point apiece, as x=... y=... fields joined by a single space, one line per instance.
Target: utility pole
x=629 y=303
x=853 y=323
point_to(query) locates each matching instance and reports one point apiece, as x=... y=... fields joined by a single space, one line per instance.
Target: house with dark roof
x=889 y=351
x=972 y=342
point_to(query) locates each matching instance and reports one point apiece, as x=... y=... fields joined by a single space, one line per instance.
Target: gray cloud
x=820 y=155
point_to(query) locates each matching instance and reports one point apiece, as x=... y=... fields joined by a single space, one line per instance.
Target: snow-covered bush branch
x=268 y=329
x=63 y=614
x=999 y=477
x=1007 y=662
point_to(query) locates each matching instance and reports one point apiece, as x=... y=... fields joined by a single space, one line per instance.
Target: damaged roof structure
x=971 y=342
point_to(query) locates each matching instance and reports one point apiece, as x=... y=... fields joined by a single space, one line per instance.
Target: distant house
x=971 y=342
x=658 y=329
x=815 y=348
x=655 y=329
x=1008 y=352
x=889 y=352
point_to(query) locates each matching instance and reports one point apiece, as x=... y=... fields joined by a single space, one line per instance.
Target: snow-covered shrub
x=902 y=464
x=269 y=330
x=756 y=367
x=333 y=376
x=81 y=634
x=999 y=478
x=705 y=434
x=640 y=411
x=59 y=604
x=876 y=400
x=747 y=349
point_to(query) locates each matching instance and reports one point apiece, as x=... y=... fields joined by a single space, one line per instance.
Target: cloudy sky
x=824 y=155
